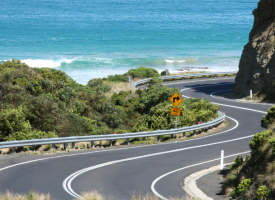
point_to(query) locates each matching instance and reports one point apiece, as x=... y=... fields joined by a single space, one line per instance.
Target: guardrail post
x=13 y=150
x=33 y=148
x=158 y=138
x=172 y=136
x=73 y=145
x=92 y=144
x=65 y=146
x=110 y=143
x=53 y=146
x=143 y=138
x=202 y=130
x=203 y=76
x=193 y=77
x=127 y=141
x=183 y=134
x=194 y=132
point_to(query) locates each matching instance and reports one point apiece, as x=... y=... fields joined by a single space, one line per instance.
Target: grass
x=93 y=195
x=30 y=196
x=116 y=87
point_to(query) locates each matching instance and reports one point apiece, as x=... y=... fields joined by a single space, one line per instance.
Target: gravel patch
x=211 y=184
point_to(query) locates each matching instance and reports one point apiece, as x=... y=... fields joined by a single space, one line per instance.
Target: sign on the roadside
x=175 y=111
x=175 y=99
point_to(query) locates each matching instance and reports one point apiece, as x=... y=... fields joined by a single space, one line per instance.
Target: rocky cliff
x=257 y=63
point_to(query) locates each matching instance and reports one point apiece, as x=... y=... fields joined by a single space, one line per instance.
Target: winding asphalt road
x=118 y=172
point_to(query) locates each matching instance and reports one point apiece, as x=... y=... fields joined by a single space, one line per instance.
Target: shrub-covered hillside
x=42 y=102
x=254 y=178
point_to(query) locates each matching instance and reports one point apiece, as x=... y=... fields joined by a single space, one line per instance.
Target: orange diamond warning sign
x=175 y=99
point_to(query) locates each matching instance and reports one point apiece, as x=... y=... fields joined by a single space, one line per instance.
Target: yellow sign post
x=175 y=99
x=175 y=111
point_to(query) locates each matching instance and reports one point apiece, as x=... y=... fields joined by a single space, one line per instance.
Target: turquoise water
x=94 y=38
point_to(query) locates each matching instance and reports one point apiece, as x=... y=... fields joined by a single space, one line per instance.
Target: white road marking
x=67 y=182
x=197 y=81
x=239 y=101
x=157 y=179
x=242 y=108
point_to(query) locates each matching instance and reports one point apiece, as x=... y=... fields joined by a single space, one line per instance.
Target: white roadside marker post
x=222 y=155
x=250 y=94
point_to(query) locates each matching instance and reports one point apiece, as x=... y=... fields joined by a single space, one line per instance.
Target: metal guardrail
x=33 y=142
x=143 y=81
x=18 y=143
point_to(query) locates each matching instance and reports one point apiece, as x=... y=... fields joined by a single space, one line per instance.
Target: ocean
x=95 y=38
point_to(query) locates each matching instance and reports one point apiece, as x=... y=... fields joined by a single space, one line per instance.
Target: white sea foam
x=169 y=61
x=173 y=61
x=47 y=63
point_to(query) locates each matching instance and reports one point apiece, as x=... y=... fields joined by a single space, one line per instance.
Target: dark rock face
x=257 y=64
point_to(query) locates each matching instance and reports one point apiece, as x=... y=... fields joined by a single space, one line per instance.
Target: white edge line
x=225 y=104
x=67 y=182
x=160 y=177
x=238 y=101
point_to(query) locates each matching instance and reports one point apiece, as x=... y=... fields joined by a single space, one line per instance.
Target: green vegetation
x=141 y=72
x=254 y=177
x=42 y=102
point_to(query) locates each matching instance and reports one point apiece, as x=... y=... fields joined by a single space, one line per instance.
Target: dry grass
x=31 y=196
x=116 y=87
x=94 y=195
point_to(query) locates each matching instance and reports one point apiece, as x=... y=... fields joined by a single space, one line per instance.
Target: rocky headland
x=257 y=63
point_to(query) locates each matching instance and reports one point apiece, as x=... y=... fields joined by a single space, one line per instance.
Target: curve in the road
x=116 y=180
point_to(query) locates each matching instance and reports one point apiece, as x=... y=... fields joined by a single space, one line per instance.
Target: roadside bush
x=244 y=185
x=269 y=118
x=263 y=192
x=259 y=139
x=238 y=161
x=95 y=82
x=154 y=95
x=163 y=73
x=143 y=72
x=12 y=121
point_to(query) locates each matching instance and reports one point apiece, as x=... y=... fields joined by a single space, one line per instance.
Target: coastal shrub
x=97 y=85
x=163 y=73
x=117 y=99
x=259 y=139
x=29 y=134
x=143 y=72
x=12 y=121
x=244 y=185
x=269 y=118
x=117 y=78
x=154 y=81
x=263 y=192
x=95 y=82
x=159 y=116
x=154 y=95
x=238 y=161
